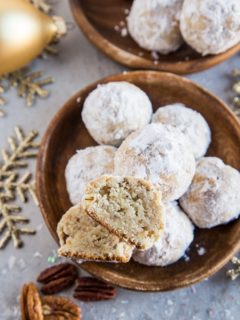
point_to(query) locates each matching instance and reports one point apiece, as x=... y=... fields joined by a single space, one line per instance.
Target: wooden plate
x=66 y=133
x=97 y=20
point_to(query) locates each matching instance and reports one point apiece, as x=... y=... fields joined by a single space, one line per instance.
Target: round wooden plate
x=67 y=133
x=97 y=20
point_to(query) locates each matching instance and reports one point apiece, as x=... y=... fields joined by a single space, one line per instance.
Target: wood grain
x=66 y=133
x=97 y=20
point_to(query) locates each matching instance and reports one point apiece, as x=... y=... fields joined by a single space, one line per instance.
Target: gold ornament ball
x=24 y=33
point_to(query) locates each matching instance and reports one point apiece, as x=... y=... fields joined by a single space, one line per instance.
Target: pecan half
x=31 y=305
x=57 y=271
x=58 y=278
x=59 y=308
x=91 y=289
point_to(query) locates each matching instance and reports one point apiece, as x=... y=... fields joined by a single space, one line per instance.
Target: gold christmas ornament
x=24 y=33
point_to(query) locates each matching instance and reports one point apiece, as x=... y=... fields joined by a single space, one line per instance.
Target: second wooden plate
x=97 y=19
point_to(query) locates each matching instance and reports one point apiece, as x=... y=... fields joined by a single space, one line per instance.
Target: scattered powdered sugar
x=121 y=28
x=193 y=289
x=169 y=302
x=201 y=251
x=186 y=257
x=155 y=55
x=37 y=255
x=124 y=32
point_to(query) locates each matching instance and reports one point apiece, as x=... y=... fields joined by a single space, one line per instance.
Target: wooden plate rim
x=132 y=61
x=93 y=268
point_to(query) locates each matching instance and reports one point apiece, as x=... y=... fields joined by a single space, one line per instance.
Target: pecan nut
x=56 y=272
x=58 y=278
x=31 y=305
x=58 y=308
x=91 y=289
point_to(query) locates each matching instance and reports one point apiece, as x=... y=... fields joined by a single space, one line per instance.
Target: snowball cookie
x=159 y=153
x=128 y=207
x=114 y=110
x=154 y=24
x=86 y=165
x=213 y=197
x=211 y=26
x=190 y=122
x=83 y=238
x=171 y=246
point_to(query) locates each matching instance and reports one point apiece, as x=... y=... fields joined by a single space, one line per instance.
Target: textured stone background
x=79 y=64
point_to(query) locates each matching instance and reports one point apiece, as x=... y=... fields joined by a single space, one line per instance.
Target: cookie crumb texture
x=87 y=164
x=161 y=154
x=154 y=24
x=213 y=197
x=81 y=237
x=114 y=110
x=212 y=26
x=171 y=246
x=130 y=208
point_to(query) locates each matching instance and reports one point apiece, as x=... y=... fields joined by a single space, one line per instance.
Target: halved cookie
x=129 y=207
x=82 y=237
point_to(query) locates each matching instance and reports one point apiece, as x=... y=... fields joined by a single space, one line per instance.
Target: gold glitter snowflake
x=13 y=186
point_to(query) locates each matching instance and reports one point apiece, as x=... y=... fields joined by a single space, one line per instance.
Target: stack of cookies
x=141 y=191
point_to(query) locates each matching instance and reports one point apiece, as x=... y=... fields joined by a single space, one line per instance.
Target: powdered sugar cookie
x=86 y=165
x=81 y=237
x=171 y=246
x=190 y=122
x=154 y=24
x=128 y=207
x=211 y=26
x=213 y=197
x=114 y=110
x=158 y=153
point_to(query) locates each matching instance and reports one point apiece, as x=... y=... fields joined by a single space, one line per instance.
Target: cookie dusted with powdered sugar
x=154 y=24
x=158 y=153
x=114 y=110
x=86 y=165
x=190 y=122
x=211 y=26
x=171 y=246
x=213 y=197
